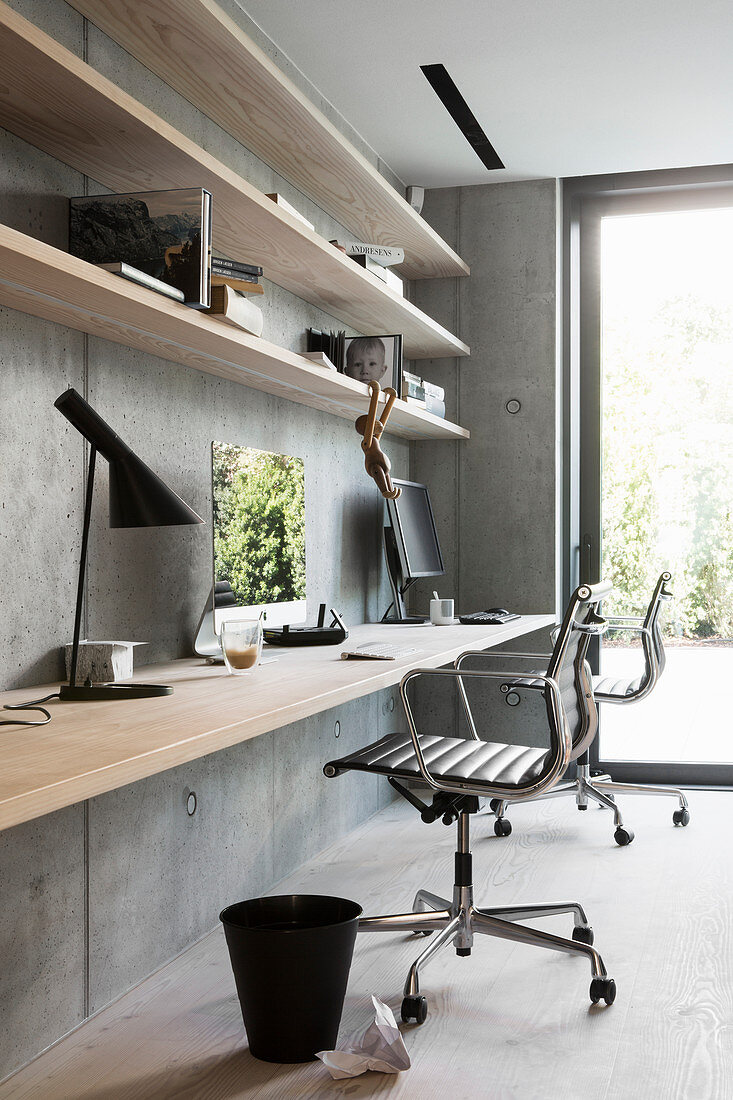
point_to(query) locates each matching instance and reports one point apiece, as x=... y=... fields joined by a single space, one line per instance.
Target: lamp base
x=81 y=693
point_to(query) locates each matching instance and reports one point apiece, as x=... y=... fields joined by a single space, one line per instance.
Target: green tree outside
x=259 y=524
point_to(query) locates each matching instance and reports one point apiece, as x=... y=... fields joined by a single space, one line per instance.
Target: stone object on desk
x=102 y=662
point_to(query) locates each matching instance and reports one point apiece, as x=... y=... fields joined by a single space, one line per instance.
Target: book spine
x=252 y=270
x=246 y=286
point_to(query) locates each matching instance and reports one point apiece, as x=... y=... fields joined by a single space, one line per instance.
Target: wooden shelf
x=56 y=102
x=197 y=49
x=90 y=748
x=46 y=282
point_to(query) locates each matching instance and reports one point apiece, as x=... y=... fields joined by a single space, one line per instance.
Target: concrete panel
x=159 y=877
x=310 y=809
x=495 y=496
x=41 y=934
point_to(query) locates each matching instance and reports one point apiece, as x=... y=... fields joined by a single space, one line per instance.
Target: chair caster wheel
x=603 y=989
x=623 y=836
x=583 y=933
x=416 y=1008
x=681 y=817
x=494 y=804
x=502 y=827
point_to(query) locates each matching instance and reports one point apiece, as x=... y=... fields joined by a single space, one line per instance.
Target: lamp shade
x=137 y=496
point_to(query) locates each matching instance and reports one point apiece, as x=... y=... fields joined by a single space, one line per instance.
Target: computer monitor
x=411 y=545
x=258 y=541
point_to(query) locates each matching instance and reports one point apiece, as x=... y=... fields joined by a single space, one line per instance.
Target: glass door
x=657 y=473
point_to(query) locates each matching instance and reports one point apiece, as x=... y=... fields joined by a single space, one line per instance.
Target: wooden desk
x=90 y=748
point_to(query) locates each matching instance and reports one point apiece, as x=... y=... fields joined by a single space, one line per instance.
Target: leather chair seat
x=607 y=685
x=450 y=758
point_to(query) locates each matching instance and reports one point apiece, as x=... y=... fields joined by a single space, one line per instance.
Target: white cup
x=441 y=612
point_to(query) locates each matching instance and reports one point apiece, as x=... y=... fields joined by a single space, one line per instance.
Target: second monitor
x=411 y=545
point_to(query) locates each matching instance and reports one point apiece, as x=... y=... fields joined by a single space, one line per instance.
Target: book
x=244 y=286
x=412 y=389
x=235 y=272
x=330 y=344
x=429 y=404
x=431 y=390
x=237 y=265
x=408 y=376
x=127 y=271
x=236 y=309
x=165 y=234
x=285 y=205
x=386 y=255
x=434 y=405
x=381 y=272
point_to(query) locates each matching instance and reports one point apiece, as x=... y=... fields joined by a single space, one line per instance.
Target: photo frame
x=374 y=359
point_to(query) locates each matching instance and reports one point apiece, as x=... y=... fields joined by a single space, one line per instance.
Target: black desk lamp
x=137 y=498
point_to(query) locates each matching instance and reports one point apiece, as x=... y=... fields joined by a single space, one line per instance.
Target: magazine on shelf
x=127 y=271
x=165 y=234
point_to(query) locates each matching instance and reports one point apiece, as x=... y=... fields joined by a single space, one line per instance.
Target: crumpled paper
x=379 y=1046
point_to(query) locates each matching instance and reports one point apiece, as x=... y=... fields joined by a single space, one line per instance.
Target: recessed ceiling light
x=464 y=118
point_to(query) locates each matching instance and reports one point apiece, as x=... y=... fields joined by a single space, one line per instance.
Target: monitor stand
x=397 y=584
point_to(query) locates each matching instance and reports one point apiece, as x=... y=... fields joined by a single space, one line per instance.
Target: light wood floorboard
x=509 y=1023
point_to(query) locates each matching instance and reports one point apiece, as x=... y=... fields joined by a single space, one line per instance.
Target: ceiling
x=560 y=89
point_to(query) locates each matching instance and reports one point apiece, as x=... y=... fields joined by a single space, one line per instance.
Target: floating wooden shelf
x=46 y=282
x=55 y=101
x=197 y=49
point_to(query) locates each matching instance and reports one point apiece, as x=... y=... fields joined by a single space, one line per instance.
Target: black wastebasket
x=291 y=957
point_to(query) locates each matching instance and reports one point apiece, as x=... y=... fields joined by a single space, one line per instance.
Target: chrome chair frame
x=458 y=919
x=602 y=788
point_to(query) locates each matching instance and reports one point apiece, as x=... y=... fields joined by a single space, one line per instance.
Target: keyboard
x=378 y=651
x=483 y=618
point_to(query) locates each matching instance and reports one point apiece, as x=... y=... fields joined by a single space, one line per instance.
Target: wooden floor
x=509 y=1023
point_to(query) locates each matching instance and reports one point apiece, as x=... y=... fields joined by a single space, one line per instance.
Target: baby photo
x=374 y=358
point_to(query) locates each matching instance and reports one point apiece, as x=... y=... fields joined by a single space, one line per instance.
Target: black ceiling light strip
x=464 y=118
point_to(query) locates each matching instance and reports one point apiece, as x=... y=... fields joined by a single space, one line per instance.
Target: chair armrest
x=617 y=627
x=487 y=653
x=562 y=743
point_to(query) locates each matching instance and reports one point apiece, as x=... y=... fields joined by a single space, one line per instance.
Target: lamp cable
x=33 y=704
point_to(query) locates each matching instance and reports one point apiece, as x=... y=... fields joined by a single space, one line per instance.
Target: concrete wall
x=99 y=894
x=496 y=496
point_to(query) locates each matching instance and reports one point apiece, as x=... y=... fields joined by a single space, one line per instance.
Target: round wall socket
x=513 y=406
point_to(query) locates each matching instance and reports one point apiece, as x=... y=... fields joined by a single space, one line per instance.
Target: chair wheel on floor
x=623 y=836
x=583 y=933
x=603 y=989
x=502 y=827
x=681 y=817
x=414 y=1008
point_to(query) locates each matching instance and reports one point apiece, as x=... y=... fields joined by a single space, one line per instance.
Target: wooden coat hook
x=375 y=460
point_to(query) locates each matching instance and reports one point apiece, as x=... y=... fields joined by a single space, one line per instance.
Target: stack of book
x=330 y=344
x=376 y=258
x=241 y=276
x=422 y=394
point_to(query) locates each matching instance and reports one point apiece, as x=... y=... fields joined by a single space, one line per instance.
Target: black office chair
x=462 y=770
x=601 y=788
